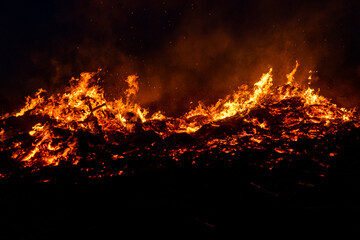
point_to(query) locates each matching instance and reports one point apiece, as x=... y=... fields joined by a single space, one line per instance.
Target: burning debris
x=82 y=135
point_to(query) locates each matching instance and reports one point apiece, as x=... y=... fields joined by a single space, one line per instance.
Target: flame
x=83 y=107
x=236 y=103
x=31 y=103
x=133 y=87
x=290 y=76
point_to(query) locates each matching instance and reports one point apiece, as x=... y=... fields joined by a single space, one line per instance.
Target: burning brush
x=266 y=128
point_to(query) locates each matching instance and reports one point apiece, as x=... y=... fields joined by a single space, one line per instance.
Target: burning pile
x=87 y=136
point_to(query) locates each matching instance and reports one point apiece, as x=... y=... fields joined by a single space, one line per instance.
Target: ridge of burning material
x=266 y=126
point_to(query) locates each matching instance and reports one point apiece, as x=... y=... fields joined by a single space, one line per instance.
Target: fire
x=237 y=103
x=290 y=76
x=264 y=112
x=31 y=103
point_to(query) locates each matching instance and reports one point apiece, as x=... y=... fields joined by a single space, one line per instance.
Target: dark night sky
x=182 y=50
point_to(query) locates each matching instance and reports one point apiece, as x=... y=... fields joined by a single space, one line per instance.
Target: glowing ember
x=250 y=118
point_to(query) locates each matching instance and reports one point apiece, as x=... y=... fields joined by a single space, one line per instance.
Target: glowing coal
x=100 y=138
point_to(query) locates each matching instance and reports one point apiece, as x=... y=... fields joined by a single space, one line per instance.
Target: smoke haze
x=182 y=51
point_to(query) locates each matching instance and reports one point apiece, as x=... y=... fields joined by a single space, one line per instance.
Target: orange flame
x=83 y=107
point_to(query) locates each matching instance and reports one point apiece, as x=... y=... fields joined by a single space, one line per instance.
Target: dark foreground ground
x=298 y=197
x=181 y=203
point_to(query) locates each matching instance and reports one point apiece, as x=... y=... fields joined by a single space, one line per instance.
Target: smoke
x=186 y=51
